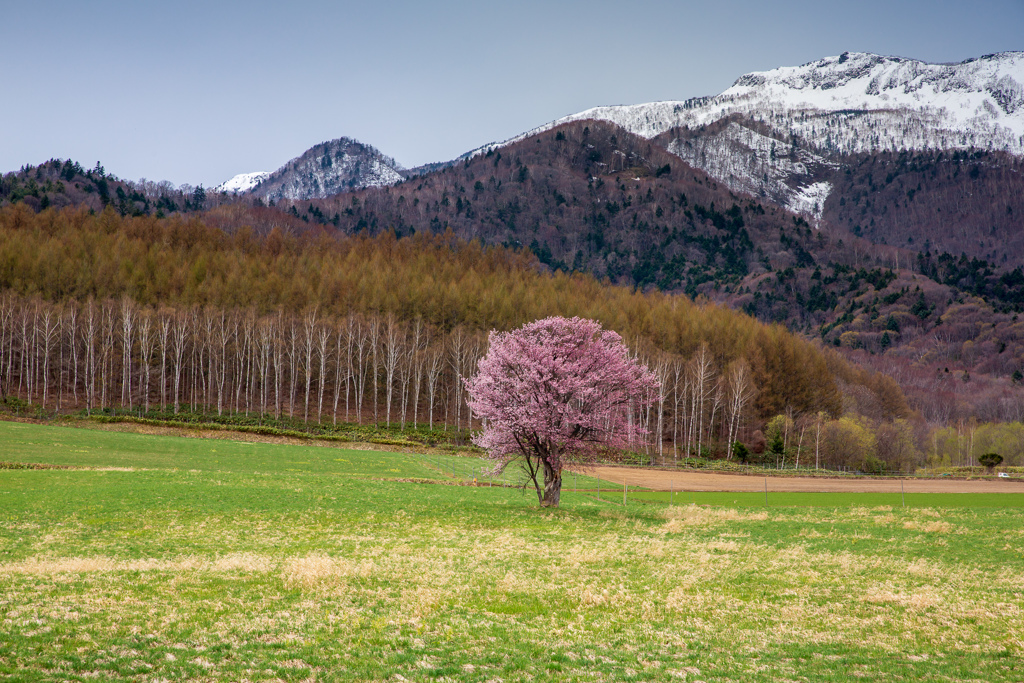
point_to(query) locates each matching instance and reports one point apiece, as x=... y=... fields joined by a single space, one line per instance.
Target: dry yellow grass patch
x=924 y=568
x=419 y=602
x=317 y=568
x=243 y=562
x=810 y=533
x=702 y=611
x=680 y=517
x=936 y=527
x=592 y=595
x=111 y=468
x=916 y=600
x=724 y=546
x=41 y=566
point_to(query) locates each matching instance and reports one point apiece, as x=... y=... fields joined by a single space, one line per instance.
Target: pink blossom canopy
x=558 y=389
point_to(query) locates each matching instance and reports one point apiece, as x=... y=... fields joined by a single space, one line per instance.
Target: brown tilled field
x=662 y=480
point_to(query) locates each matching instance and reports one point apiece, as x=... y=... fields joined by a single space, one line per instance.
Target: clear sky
x=195 y=92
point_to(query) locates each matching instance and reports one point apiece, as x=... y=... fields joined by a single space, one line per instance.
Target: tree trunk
x=552 y=491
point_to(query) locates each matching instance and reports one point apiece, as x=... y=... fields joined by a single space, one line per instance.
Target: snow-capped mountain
x=243 y=182
x=779 y=134
x=321 y=171
x=859 y=102
x=776 y=127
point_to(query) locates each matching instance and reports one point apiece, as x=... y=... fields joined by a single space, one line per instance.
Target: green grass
x=381 y=432
x=808 y=499
x=224 y=560
x=32 y=443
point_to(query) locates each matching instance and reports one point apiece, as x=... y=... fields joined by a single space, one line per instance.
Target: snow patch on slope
x=243 y=182
x=749 y=161
x=810 y=200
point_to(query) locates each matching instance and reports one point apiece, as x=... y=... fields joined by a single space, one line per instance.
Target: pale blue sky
x=199 y=91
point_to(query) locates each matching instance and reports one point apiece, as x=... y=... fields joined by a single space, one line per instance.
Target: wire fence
x=470 y=471
x=718 y=466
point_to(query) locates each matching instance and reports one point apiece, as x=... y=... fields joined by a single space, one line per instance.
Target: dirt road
x=658 y=480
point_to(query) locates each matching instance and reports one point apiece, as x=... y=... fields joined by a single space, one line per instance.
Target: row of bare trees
x=116 y=354
x=96 y=355
x=700 y=406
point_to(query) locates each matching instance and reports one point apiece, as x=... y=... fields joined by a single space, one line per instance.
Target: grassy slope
x=225 y=561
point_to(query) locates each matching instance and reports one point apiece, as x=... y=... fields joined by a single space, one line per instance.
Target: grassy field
x=805 y=499
x=167 y=559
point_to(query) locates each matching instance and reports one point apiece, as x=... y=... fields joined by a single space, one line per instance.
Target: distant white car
x=1004 y=475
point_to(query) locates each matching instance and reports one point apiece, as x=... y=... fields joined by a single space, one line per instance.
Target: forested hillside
x=583 y=198
x=961 y=202
x=59 y=183
x=588 y=196
x=99 y=305
x=592 y=197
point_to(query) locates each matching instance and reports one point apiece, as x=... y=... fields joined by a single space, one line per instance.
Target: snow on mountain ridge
x=976 y=103
x=847 y=104
x=945 y=100
x=243 y=182
x=778 y=128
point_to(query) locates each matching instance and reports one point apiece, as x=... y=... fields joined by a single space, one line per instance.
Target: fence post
x=766 y=491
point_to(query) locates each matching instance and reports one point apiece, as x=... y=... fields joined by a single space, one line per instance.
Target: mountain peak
x=243 y=182
x=853 y=102
x=772 y=131
x=323 y=170
x=986 y=91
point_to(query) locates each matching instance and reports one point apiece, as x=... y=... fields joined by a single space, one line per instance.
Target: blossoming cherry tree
x=555 y=393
